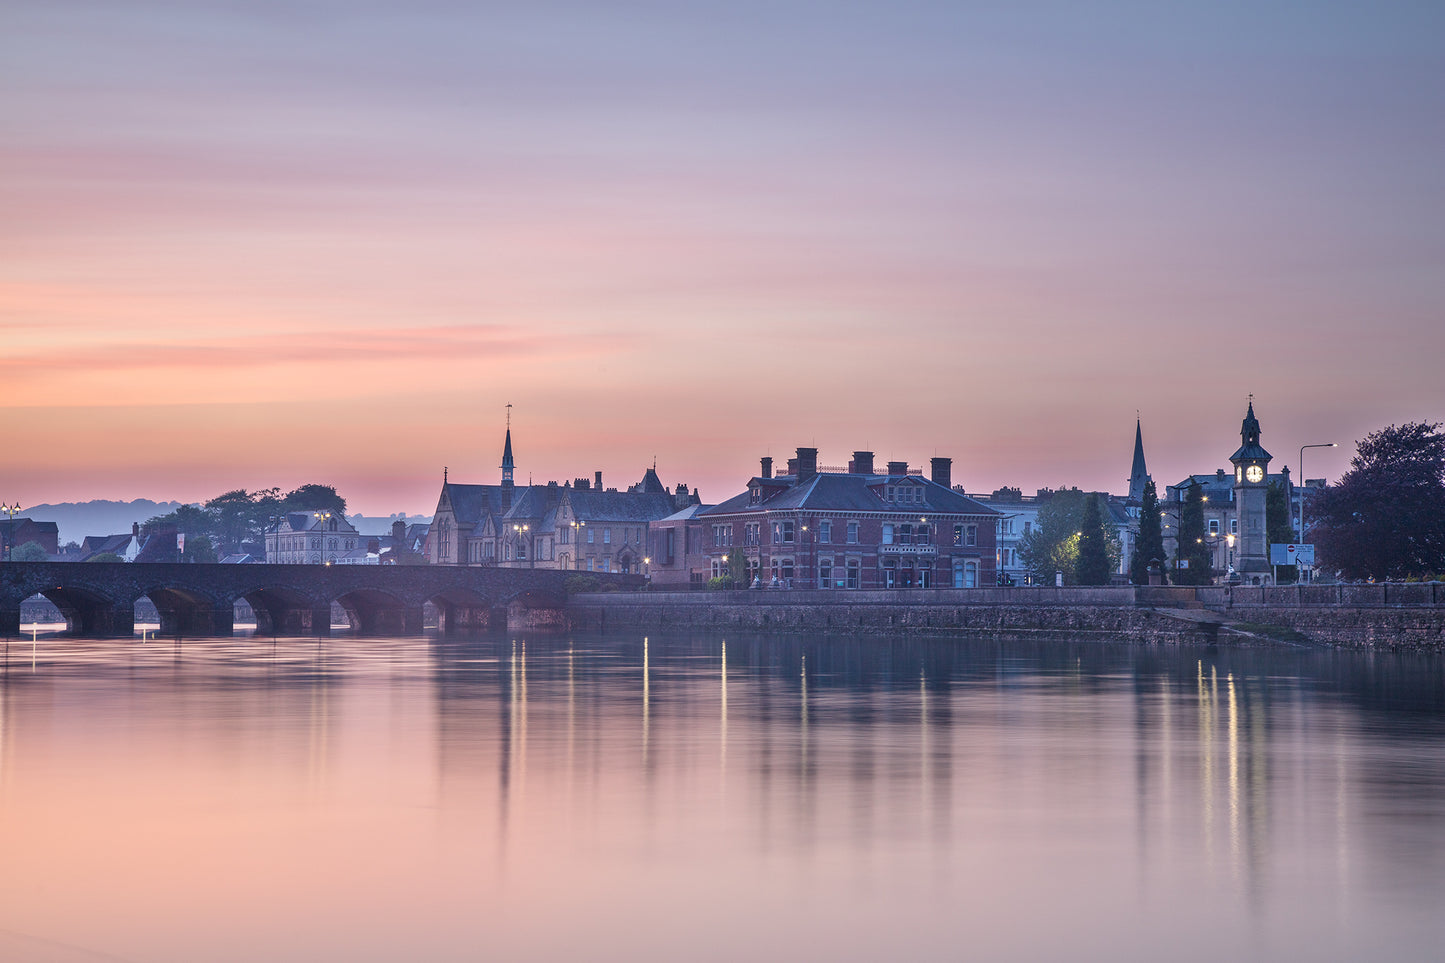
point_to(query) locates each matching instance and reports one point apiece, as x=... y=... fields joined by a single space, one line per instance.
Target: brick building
x=826 y=528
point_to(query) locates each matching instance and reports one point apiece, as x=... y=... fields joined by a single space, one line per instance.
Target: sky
x=249 y=244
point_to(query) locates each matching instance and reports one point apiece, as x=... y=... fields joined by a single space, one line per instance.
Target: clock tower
x=1251 y=473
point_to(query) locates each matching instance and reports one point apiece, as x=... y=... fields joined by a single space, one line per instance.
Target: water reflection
x=657 y=797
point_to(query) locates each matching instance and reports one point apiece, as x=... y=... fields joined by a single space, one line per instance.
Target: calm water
x=690 y=797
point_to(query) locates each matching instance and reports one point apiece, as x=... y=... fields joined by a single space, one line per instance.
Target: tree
x=1192 y=555
x=1149 y=547
x=1053 y=545
x=29 y=552
x=105 y=557
x=1092 y=565
x=738 y=568
x=199 y=549
x=1277 y=527
x=190 y=519
x=1385 y=519
x=233 y=514
x=314 y=498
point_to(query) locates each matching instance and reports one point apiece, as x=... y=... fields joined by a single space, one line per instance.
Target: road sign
x=1292 y=555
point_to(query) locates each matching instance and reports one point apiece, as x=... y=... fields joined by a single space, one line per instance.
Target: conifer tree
x=1149 y=546
x=1092 y=566
x=1192 y=549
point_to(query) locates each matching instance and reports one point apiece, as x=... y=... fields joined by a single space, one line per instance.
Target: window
x=521 y=549
x=890 y=576
x=1214 y=526
x=591 y=537
x=905 y=534
x=1028 y=527
x=825 y=573
x=753 y=532
x=970 y=535
x=854 y=567
x=887 y=533
x=958 y=534
x=787 y=569
x=922 y=534
x=564 y=534
x=825 y=531
x=1234 y=526
x=782 y=532
x=925 y=574
x=607 y=536
x=853 y=534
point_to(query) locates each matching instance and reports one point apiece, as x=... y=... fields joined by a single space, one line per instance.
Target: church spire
x=507 y=464
x=1139 y=473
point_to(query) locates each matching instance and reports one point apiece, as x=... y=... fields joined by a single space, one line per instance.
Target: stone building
x=577 y=525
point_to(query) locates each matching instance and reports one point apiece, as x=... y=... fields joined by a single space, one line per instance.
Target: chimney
x=581 y=484
x=898 y=468
x=398 y=531
x=598 y=482
x=862 y=463
x=807 y=463
x=135 y=529
x=767 y=466
x=942 y=472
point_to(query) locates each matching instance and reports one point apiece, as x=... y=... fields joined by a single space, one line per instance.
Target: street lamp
x=1302 y=485
x=321 y=518
x=11 y=511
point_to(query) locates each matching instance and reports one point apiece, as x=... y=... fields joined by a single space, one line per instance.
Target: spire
x=507 y=464
x=1139 y=473
x=1249 y=429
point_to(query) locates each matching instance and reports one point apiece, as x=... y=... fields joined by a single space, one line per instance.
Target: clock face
x=1254 y=473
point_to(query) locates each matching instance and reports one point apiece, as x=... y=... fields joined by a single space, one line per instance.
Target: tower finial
x=509 y=414
x=444 y=474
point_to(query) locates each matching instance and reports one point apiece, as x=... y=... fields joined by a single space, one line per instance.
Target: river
x=711 y=797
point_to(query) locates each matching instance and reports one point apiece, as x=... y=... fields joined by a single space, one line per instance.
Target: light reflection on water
x=683 y=796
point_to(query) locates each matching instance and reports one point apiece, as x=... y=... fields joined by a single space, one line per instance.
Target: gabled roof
x=688 y=512
x=470 y=503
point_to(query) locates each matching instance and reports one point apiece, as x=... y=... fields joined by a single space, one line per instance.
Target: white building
x=310 y=538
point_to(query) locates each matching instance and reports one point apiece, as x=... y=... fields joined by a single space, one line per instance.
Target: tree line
x=237 y=521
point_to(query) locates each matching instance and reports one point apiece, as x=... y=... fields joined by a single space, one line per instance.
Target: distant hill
x=381 y=524
x=79 y=519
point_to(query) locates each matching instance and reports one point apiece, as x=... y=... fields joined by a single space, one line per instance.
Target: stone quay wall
x=1379 y=616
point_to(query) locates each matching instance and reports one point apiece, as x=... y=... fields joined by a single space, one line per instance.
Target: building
x=311 y=538
x=577 y=526
x=18 y=531
x=1234 y=508
x=832 y=529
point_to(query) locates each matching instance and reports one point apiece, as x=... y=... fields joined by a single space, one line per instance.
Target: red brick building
x=830 y=529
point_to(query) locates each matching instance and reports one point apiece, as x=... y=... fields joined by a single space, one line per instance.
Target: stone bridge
x=98 y=599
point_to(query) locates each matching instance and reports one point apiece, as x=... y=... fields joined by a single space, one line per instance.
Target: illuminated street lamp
x=321 y=518
x=11 y=511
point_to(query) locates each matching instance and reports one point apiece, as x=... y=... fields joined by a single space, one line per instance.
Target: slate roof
x=605 y=506
x=850 y=493
x=471 y=503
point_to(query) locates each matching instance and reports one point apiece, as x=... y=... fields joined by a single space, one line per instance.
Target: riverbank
x=1395 y=616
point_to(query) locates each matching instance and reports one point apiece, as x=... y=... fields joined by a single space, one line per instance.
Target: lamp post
x=11 y=511
x=1302 y=485
x=321 y=518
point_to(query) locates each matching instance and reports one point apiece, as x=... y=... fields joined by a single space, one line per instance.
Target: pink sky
x=246 y=247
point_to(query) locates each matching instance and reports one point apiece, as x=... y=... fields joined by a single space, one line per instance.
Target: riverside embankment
x=1410 y=615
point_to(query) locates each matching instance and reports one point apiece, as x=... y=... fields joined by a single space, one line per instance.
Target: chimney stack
x=398 y=531
x=807 y=463
x=942 y=472
x=598 y=483
x=862 y=463
x=898 y=468
x=767 y=466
